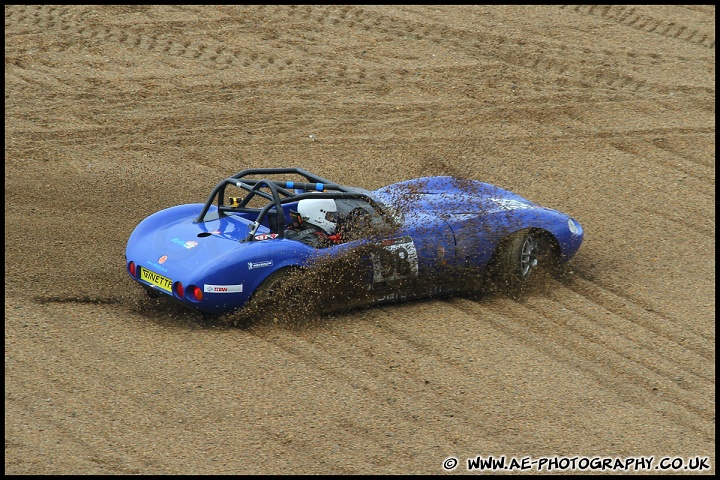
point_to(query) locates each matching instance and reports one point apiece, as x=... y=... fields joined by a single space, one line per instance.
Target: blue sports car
x=414 y=238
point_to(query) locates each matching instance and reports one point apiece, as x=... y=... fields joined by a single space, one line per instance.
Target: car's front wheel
x=520 y=258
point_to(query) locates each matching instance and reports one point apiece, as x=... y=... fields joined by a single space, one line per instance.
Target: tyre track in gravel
x=631 y=17
x=658 y=324
x=633 y=347
x=552 y=336
x=144 y=393
x=415 y=399
x=123 y=39
x=221 y=55
x=62 y=367
x=586 y=347
x=419 y=383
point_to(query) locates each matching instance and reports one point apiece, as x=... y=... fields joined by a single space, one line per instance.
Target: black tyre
x=272 y=285
x=281 y=293
x=520 y=259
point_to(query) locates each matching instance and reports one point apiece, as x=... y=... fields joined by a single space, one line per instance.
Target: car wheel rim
x=275 y=287
x=528 y=257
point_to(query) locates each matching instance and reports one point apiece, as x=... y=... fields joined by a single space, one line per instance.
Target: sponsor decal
x=156 y=266
x=395 y=241
x=509 y=204
x=162 y=259
x=189 y=244
x=266 y=236
x=223 y=288
x=264 y=263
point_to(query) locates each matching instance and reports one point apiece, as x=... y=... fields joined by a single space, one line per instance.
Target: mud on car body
x=215 y=256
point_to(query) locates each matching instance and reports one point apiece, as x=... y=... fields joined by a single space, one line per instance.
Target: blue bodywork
x=228 y=251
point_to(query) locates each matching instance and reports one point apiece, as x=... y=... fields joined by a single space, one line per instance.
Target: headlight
x=573 y=228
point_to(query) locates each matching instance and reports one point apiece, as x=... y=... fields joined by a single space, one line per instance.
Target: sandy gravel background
x=112 y=113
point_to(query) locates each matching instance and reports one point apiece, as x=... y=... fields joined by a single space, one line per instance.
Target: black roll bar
x=315 y=187
x=301 y=196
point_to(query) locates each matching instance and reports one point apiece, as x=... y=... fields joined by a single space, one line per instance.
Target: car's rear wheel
x=520 y=259
x=272 y=285
x=281 y=292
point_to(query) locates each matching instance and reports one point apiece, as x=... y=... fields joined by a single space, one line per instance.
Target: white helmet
x=321 y=212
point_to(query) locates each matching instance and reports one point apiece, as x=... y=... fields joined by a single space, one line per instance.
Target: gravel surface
x=606 y=113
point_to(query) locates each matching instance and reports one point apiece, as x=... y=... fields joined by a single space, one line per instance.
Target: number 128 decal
x=397 y=259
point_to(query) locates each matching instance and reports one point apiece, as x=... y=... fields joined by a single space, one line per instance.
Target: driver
x=315 y=223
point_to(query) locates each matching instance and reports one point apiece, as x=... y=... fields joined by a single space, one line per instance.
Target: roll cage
x=280 y=193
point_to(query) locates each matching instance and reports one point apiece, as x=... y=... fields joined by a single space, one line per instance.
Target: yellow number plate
x=157 y=280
